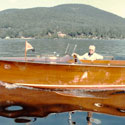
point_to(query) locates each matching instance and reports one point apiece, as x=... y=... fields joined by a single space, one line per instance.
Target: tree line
x=73 y=20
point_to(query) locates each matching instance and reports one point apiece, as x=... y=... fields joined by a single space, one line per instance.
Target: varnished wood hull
x=89 y=74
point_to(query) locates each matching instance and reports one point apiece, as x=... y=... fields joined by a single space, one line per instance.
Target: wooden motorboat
x=36 y=72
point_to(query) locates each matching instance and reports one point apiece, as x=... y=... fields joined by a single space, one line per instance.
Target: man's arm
x=98 y=56
x=78 y=56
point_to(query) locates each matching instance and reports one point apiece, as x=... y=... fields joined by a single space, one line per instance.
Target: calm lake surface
x=16 y=47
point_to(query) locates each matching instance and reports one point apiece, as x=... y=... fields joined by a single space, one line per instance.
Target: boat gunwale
x=69 y=64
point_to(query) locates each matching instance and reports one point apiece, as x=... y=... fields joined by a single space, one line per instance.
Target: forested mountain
x=73 y=20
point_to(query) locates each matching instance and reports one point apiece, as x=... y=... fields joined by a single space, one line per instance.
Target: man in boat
x=91 y=55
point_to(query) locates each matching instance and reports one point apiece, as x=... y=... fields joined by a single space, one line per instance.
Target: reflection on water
x=24 y=104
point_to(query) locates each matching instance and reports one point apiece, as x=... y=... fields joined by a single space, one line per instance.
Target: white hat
x=92 y=47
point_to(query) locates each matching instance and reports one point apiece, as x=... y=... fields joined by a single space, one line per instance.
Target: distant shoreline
x=75 y=38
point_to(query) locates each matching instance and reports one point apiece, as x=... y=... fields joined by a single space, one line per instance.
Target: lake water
x=16 y=47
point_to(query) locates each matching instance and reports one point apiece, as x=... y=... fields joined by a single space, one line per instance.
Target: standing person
x=91 y=55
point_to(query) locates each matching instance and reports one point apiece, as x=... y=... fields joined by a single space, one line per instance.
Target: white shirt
x=87 y=56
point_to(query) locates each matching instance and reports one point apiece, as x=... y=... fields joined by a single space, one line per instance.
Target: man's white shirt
x=87 y=56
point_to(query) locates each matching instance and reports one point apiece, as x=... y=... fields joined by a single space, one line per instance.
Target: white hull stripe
x=73 y=86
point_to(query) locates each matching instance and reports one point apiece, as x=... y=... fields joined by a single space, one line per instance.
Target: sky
x=114 y=6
